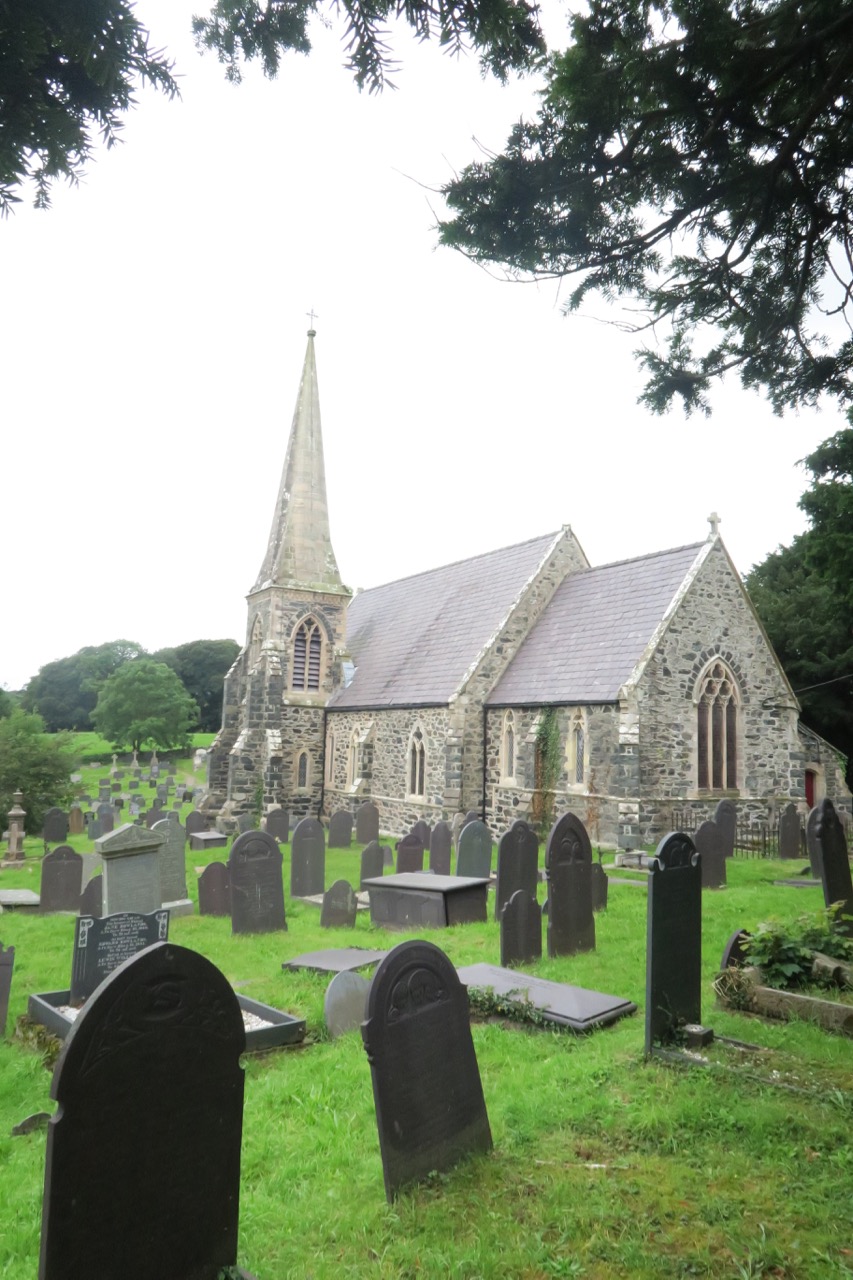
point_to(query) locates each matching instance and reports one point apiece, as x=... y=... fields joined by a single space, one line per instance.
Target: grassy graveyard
x=604 y=1164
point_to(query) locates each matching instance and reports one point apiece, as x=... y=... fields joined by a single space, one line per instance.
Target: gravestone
x=55 y=826
x=340 y=830
x=94 y=824
x=173 y=867
x=214 y=891
x=430 y=1109
x=423 y=831
x=521 y=930
x=61 y=880
x=789 y=834
x=339 y=906
x=518 y=864
x=102 y=944
x=92 y=898
x=245 y=822
x=133 y=785
x=7 y=964
x=568 y=870
x=456 y=826
x=195 y=822
x=736 y=952
x=835 y=871
x=307 y=859
x=108 y=822
x=131 y=857
x=725 y=816
x=372 y=862
x=257 y=890
x=149 y=1090
x=367 y=823
x=813 y=844
x=410 y=854
x=439 y=849
x=673 y=940
x=711 y=847
x=345 y=1003
x=278 y=825
x=600 y=887
x=76 y=821
x=474 y=850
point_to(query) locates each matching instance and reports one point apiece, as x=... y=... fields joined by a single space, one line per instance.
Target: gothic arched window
x=417 y=764
x=330 y=757
x=716 y=729
x=256 y=640
x=508 y=747
x=303 y=771
x=352 y=760
x=307 y=649
x=577 y=754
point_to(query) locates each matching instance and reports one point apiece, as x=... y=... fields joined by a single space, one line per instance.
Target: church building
x=517 y=684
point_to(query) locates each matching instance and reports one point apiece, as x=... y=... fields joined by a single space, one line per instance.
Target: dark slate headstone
x=725 y=816
x=789 y=834
x=257 y=890
x=568 y=868
x=340 y=830
x=61 y=880
x=439 y=849
x=372 y=861
x=367 y=823
x=108 y=822
x=518 y=865
x=92 y=898
x=410 y=854
x=76 y=821
x=423 y=831
x=195 y=822
x=278 y=825
x=521 y=930
x=101 y=945
x=813 y=844
x=735 y=953
x=339 y=906
x=673 y=940
x=471 y=816
x=600 y=887
x=7 y=964
x=150 y=1107
x=345 y=1003
x=474 y=853
x=214 y=890
x=55 y=826
x=245 y=822
x=837 y=886
x=94 y=823
x=307 y=859
x=710 y=845
x=430 y=1109
x=387 y=855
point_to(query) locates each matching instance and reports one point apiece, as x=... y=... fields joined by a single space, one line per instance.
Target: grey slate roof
x=594 y=631
x=413 y=641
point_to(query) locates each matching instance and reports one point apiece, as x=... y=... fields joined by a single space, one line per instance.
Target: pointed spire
x=299 y=551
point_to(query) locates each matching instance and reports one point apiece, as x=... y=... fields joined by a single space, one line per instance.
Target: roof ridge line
x=451 y=564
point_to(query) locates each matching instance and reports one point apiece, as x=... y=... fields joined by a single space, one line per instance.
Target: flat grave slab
x=573 y=1007
x=19 y=900
x=335 y=960
x=421 y=900
x=200 y=840
x=362 y=900
x=799 y=883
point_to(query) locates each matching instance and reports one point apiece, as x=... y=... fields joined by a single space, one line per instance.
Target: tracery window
x=508 y=747
x=716 y=729
x=307 y=650
x=417 y=764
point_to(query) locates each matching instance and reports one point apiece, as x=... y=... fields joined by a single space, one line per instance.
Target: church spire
x=299 y=551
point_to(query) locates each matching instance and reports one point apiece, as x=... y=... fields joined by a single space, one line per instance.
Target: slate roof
x=414 y=641
x=594 y=631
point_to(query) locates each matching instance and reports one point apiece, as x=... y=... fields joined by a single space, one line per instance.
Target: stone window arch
x=306 y=656
x=717 y=699
x=256 y=640
x=508 y=747
x=577 y=748
x=416 y=764
x=302 y=771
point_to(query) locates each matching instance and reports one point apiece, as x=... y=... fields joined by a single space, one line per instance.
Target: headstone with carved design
x=568 y=868
x=257 y=890
x=673 y=940
x=102 y=944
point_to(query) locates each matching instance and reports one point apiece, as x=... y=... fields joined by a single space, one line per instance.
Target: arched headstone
x=367 y=823
x=55 y=826
x=789 y=834
x=518 y=864
x=735 y=954
x=195 y=822
x=345 y=1003
x=340 y=830
x=372 y=862
x=568 y=867
x=76 y=821
x=339 y=906
x=423 y=831
x=835 y=869
x=600 y=887
x=474 y=851
x=92 y=898
x=307 y=859
x=813 y=844
x=725 y=816
x=410 y=854
x=214 y=891
x=255 y=877
x=245 y=822
x=439 y=849
x=61 y=880
x=673 y=939
x=278 y=825
x=521 y=930
x=710 y=845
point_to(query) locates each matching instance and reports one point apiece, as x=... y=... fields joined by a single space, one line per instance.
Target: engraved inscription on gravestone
x=173 y=863
x=568 y=867
x=255 y=877
x=131 y=857
x=101 y=945
x=673 y=939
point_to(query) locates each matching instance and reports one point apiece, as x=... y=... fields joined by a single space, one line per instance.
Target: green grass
x=604 y=1164
x=91 y=746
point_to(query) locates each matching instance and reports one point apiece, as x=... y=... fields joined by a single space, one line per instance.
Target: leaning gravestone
x=55 y=826
x=145 y=1067
x=474 y=851
x=101 y=945
x=131 y=858
x=307 y=859
x=673 y=940
x=521 y=930
x=725 y=816
x=568 y=868
x=410 y=854
x=439 y=849
x=92 y=897
x=372 y=862
x=430 y=1109
x=710 y=844
x=518 y=865
x=339 y=906
x=837 y=886
x=367 y=823
x=61 y=880
x=345 y=1003
x=278 y=825
x=813 y=844
x=7 y=964
x=76 y=821
x=789 y=834
x=340 y=830
x=214 y=891
x=257 y=890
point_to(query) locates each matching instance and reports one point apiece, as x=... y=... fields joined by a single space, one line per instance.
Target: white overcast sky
x=152 y=332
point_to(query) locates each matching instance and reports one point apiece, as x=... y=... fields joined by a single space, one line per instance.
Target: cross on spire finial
x=714 y=522
x=312 y=316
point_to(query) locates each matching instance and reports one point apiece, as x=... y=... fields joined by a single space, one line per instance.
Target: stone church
x=516 y=684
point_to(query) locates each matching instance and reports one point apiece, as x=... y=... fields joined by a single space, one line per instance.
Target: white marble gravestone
x=131 y=859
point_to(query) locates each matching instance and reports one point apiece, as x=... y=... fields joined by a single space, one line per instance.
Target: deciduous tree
x=64 y=692
x=202 y=666
x=144 y=704
x=36 y=763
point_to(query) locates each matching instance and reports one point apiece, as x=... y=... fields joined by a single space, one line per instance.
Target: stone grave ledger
x=102 y=944
x=139 y=1181
x=426 y=901
x=430 y=1109
x=673 y=940
x=257 y=890
x=7 y=964
x=131 y=858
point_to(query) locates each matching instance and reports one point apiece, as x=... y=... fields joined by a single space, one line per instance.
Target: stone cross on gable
x=714 y=522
